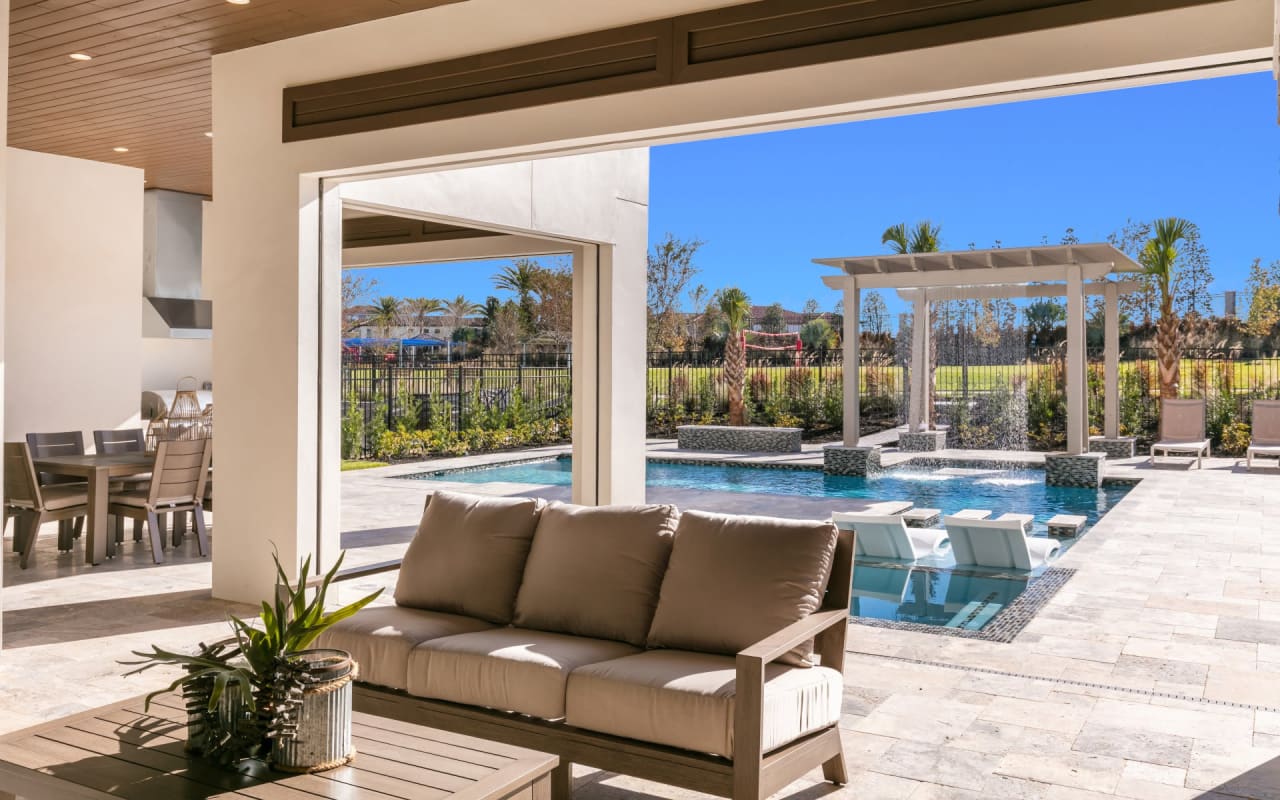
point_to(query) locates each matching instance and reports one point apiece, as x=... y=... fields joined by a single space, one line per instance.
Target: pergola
x=1074 y=271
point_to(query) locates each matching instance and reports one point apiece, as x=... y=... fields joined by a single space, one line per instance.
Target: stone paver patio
x=1154 y=673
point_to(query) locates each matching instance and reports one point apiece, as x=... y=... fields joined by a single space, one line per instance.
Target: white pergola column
x=1111 y=361
x=919 y=411
x=852 y=364
x=1076 y=379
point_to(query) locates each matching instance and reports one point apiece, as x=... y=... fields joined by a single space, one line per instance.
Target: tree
x=817 y=335
x=695 y=329
x=520 y=278
x=1191 y=285
x=774 y=319
x=923 y=237
x=875 y=314
x=386 y=315
x=355 y=289
x=1043 y=316
x=1264 y=298
x=811 y=309
x=553 y=287
x=1191 y=289
x=670 y=268
x=1159 y=260
x=736 y=308
x=458 y=309
x=419 y=308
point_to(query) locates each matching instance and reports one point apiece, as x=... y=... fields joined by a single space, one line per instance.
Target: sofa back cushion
x=596 y=571
x=468 y=555
x=734 y=580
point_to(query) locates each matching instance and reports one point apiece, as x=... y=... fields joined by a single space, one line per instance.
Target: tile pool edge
x=1005 y=626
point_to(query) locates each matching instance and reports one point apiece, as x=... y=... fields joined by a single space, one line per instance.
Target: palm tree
x=736 y=308
x=386 y=314
x=458 y=309
x=521 y=279
x=421 y=308
x=924 y=237
x=1159 y=259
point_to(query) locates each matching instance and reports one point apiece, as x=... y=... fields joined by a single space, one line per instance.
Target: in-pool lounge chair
x=1182 y=430
x=1000 y=543
x=887 y=536
x=1265 y=441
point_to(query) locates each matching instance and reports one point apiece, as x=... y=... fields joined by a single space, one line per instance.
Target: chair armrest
x=781 y=642
x=356 y=572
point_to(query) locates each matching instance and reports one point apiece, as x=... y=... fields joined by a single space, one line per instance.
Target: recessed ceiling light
x=120 y=149
x=81 y=57
x=209 y=134
x=238 y=2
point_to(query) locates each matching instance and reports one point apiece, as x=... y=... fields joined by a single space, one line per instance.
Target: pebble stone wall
x=736 y=439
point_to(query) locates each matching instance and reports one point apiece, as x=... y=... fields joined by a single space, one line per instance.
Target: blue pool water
x=932 y=592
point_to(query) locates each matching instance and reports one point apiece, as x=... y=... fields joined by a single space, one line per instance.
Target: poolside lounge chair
x=887 y=536
x=1182 y=430
x=1265 y=441
x=1000 y=543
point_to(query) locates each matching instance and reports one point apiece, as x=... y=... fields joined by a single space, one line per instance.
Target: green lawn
x=348 y=466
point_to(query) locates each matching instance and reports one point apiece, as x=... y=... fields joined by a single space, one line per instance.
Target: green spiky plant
x=262 y=665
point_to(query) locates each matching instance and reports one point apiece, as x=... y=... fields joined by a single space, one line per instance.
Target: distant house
x=794 y=320
x=436 y=326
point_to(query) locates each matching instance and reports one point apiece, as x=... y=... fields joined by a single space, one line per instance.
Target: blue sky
x=768 y=203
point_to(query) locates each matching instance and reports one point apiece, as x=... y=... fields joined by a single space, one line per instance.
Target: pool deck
x=1154 y=673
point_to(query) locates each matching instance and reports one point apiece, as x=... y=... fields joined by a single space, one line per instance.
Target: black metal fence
x=990 y=398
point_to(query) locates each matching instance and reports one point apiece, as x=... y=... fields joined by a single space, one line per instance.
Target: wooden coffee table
x=119 y=751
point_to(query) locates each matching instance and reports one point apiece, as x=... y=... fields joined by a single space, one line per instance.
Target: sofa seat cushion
x=509 y=669
x=686 y=700
x=734 y=580
x=468 y=555
x=380 y=639
x=596 y=571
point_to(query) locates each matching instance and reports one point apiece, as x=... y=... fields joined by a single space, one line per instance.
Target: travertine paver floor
x=1155 y=672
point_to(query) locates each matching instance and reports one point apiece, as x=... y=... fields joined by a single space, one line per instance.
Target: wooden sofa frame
x=750 y=775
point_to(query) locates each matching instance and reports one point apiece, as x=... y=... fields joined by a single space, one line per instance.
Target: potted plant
x=264 y=694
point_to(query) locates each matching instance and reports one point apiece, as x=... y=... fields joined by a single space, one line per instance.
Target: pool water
x=933 y=591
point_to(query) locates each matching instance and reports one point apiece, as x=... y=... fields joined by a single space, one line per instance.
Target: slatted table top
x=120 y=751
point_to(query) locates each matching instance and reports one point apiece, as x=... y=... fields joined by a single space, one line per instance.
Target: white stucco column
x=852 y=363
x=919 y=411
x=1111 y=361
x=4 y=127
x=1076 y=379
x=609 y=373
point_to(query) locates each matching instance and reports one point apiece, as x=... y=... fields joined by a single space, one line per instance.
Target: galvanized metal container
x=323 y=737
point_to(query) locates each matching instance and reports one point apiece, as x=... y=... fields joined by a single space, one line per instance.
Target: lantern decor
x=183 y=420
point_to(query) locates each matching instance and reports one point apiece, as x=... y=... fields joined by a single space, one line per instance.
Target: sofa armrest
x=781 y=642
x=356 y=572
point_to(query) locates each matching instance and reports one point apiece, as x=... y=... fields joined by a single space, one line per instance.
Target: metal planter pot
x=323 y=737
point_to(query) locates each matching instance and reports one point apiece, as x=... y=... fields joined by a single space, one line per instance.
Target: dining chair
x=33 y=504
x=178 y=477
x=114 y=442
x=61 y=443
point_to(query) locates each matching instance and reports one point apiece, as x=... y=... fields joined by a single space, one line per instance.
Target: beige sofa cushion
x=686 y=700
x=468 y=555
x=509 y=669
x=380 y=639
x=733 y=580
x=596 y=571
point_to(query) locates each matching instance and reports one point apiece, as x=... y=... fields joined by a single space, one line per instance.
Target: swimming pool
x=950 y=489
x=933 y=592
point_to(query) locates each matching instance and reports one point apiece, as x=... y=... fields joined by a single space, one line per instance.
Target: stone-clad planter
x=922 y=441
x=1120 y=447
x=738 y=439
x=860 y=461
x=1085 y=469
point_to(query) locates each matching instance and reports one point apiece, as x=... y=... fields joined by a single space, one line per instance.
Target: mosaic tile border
x=440 y=474
x=1005 y=626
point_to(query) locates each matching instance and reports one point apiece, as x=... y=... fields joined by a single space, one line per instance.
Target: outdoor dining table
x=97 y=470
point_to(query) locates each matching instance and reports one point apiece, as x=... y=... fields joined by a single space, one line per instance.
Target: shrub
x=352 y=426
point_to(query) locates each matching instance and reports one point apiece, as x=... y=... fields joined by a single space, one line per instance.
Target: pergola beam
x=1093 y=289
x=985 y=276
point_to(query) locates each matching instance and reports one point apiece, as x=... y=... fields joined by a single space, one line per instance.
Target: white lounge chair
x=887 y=536
x=1000 y=543
x=889 y=584
x=1182 y=430
x=1265 y=440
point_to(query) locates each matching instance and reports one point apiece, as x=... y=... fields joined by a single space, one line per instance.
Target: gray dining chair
x=114 y=442
x=61 y=443
x=177 y=484
x=33 y=505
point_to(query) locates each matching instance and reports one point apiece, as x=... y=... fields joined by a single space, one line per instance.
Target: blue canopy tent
x=371 y=342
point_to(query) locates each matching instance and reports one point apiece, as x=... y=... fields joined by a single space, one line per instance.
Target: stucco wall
x=164 y=361
x=73 y=295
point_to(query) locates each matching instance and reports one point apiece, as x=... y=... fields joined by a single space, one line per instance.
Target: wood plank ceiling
x=147 y=86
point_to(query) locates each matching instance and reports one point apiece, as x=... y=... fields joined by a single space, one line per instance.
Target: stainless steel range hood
x=172 y=272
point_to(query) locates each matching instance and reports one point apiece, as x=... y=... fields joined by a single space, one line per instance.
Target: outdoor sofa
x=699 y=650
